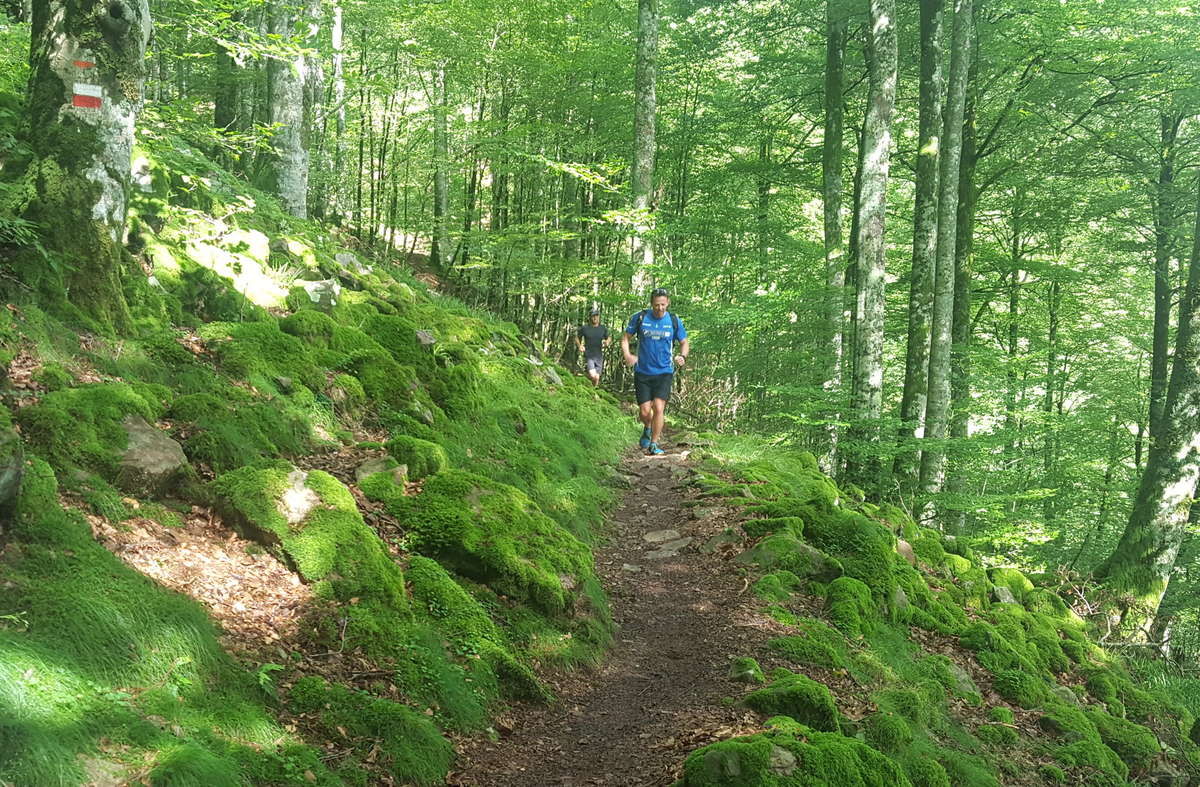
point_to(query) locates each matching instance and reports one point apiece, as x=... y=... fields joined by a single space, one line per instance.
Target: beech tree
x=85 y=92
x=867 y=405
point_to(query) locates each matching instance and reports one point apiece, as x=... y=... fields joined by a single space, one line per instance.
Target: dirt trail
x=657 y=696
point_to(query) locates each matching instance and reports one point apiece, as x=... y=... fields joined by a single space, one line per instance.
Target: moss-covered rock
x=81 y=427
x=1136 y=745
x=405 y=742
x=1020 y=687
x=757 y=528
x=494 y=534
x=798 y=697
x=851 y=607
x=313 y=523
x=422 y=457
x=816 y=643
x=1012 y=579
x=777 y=586
x=799 y=758
x=784 y=551
x=887 y=731
x=744 y=669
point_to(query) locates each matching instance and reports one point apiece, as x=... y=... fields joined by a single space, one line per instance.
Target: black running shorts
x=652 y=386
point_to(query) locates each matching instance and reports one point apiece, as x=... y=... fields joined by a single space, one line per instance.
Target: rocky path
x=682 y=613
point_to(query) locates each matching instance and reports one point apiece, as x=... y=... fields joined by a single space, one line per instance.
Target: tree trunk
x=440 y=253
x=1049 y=451
x=937 y=405
x=1140 y=566
x=85 y=91
x=287 y=164
x=1164 y=219
x=831 y=193
x=925 y=222
x=954 y=518
x=313 y=78
x=339 y=108
x=641 y=176
x=872 y=246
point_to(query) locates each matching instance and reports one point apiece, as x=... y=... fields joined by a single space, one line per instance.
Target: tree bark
x=85 y=91
x=1164 y=221
x=1140 y=566
x=287 y=164
x=440 y=252
x=954 y=516
x=641 y=176
x=937 y=405
x=836 y=16
x=872 y=244
x=925 y=222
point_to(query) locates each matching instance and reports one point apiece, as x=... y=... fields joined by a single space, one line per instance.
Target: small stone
x=899 y=600
x=669 y=549
x=905 y=551
x=552 y=376
x=783 y=762
x=152 y=460
x=372 y=466
x=323 y=293
x=426 y=338
x=726 y=536
x=284 y=383
x=12 y=470
x=1003 y=595
x=1065 y=694
x=658 y=536
x=631 y=568
x=746 y=670
x=350 y=261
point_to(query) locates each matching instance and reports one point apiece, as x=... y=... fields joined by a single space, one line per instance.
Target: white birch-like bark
x=937 y=405
x=641 y=176
x=867 y=401
x=287 y=164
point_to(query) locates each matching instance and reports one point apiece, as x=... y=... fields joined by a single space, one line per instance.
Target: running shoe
x=645 y=441
x=654 y=450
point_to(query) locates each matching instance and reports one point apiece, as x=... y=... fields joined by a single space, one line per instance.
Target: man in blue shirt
x=656 y=330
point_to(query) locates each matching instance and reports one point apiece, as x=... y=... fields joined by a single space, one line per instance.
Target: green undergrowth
x=958 y=687
x=488 y=578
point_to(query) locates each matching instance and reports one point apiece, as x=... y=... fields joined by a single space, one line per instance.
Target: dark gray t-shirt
x=592 y=336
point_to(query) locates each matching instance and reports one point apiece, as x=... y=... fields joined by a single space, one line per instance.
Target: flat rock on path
x=631 y=721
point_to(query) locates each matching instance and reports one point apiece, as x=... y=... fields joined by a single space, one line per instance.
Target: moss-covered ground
x=889 y=672
x=485 y=577
x=899 y=672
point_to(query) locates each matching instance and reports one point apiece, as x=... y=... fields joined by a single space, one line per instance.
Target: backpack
x=637 y=326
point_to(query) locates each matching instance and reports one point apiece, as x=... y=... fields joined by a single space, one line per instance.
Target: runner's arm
x=685 y=347
x=630 y=358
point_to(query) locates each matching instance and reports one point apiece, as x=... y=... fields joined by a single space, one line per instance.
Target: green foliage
x=816 y=643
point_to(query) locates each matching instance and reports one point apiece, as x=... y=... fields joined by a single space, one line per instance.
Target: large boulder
x=12 y=470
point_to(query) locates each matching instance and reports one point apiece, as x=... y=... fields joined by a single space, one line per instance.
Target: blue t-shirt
x=656 y=340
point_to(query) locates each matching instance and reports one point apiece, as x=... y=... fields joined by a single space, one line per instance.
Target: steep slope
x=311 y=519
x=907 y=662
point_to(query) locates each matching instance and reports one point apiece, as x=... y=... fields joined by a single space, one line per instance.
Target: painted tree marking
x=88 y=96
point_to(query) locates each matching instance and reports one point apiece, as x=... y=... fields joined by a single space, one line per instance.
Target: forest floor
x=662 y=689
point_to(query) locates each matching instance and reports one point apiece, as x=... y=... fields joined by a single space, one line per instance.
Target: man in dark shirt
x=593 y=338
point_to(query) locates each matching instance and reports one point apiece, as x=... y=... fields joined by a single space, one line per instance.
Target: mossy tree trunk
x=924 y=253
x=85 y=92
x=937 y=403
x=1140 y=567
x=836 y=22
x=876 y=152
